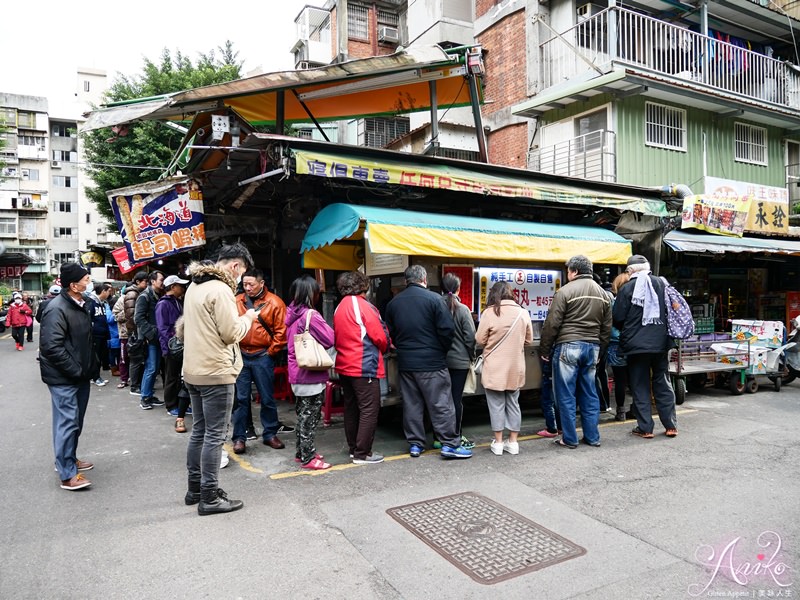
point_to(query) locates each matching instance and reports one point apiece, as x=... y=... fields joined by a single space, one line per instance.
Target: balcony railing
x=591 y=156
x=621 y=36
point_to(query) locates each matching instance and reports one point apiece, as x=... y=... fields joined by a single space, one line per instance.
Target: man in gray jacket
x=577 y=329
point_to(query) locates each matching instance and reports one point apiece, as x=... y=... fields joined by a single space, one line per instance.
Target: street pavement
x=711 y=513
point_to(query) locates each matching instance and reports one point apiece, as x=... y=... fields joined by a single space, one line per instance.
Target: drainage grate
x=484 y=539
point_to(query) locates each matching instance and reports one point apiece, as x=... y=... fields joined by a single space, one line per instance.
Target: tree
x=116 y=156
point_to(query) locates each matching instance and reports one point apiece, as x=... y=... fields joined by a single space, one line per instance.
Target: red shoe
x=20 y=348
x=316 y=465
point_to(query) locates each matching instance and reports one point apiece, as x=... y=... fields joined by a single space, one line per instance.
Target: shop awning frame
x=332 y=239
x=392 y=84
x=682 y=241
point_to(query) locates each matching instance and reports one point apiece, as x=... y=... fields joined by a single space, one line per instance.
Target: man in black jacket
x=640 y=314
x=422 y=330
x=147 y=328
x=68 y=363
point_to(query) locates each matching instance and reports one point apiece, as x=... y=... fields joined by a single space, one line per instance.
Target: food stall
x=530 y=255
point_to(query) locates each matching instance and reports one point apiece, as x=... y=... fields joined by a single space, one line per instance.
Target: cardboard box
x=736 y=354
x=763 y=333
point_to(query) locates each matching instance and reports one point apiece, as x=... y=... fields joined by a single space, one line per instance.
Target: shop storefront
x=528 y=255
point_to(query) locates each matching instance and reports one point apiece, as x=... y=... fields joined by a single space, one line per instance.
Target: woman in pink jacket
x=504 y=330
x=308 y=386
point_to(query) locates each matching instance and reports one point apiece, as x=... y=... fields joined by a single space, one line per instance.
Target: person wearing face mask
x=68 y=364
x=17 y=319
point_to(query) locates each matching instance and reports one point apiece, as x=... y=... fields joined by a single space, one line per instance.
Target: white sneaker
x=511 y=447
x=497 y=448
x=100 y=382
x=225 y=460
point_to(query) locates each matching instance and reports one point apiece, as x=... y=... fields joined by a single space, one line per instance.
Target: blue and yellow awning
x=336 y=237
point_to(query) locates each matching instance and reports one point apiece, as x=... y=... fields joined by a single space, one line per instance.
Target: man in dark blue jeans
x=265 y=340
x=147 y=327
x=576 y=331
x=68 y=363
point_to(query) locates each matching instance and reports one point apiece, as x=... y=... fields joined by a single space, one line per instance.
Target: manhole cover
x=484 y=539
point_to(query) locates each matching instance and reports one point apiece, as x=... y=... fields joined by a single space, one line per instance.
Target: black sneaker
x=145 y=404
x=283 y=428
x=251 y=434
x=135 y=391
x=155 y=401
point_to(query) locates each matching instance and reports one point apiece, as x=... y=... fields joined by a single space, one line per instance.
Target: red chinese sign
x=10 y=271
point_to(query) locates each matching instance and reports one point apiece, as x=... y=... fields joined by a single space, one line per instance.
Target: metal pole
x=476 y=116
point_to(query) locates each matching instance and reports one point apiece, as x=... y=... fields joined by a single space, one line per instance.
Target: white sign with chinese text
x=533 y=289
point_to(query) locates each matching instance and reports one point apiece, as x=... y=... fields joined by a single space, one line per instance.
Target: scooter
x=792 y=353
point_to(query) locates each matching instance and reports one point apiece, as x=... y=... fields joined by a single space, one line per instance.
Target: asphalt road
x=649 y=513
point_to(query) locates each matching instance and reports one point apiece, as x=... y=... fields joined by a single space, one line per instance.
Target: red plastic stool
x=281 y=388
x=328 y=408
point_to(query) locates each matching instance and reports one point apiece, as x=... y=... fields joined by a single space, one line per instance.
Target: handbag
x=308 y=352
x=136 y=346
x=476 y=366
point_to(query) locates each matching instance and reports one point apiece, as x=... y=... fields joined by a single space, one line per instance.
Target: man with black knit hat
x=68 y=364
x=640 y=314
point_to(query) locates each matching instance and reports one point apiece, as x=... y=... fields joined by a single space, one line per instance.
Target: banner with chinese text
x=12 y=271
x=533 y=289
x=769 y=208
x=360 y=168
x=159 y=219
x=723 y=215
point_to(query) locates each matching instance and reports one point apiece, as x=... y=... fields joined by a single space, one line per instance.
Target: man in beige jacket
x=212 y=361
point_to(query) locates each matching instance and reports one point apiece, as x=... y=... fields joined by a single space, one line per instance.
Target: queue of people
x=217 y=345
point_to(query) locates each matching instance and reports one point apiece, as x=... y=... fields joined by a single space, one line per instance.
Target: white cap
x=55 y=290
x=173 y=279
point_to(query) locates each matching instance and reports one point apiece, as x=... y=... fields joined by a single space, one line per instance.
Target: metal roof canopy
x=683 y=241
x=410 y=80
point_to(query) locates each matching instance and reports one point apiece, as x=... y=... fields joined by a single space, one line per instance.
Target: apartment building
x=341 y=30
x=654 y=92
x=45 y=217
x=24 y=192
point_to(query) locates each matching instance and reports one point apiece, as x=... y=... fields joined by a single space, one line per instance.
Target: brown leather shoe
x=76 y=483
x=239 y=447
x=275 y=443
x=84 y=465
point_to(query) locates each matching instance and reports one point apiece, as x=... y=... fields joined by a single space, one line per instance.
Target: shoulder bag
x=308 y=352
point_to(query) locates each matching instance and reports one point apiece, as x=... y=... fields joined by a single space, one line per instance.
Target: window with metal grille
x=472 y=155
x=750 y=144
x=665 y=127
x=306 y=134
x=387 y=17
x=8 y=225
x=357 y=21
x=377 y=132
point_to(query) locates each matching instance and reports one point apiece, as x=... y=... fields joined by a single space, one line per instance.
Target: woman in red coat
x=18 y=315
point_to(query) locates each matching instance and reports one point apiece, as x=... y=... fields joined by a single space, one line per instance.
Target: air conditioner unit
x=588 y=10
x=389 y=35
x=101 y=230
x=55 y=164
